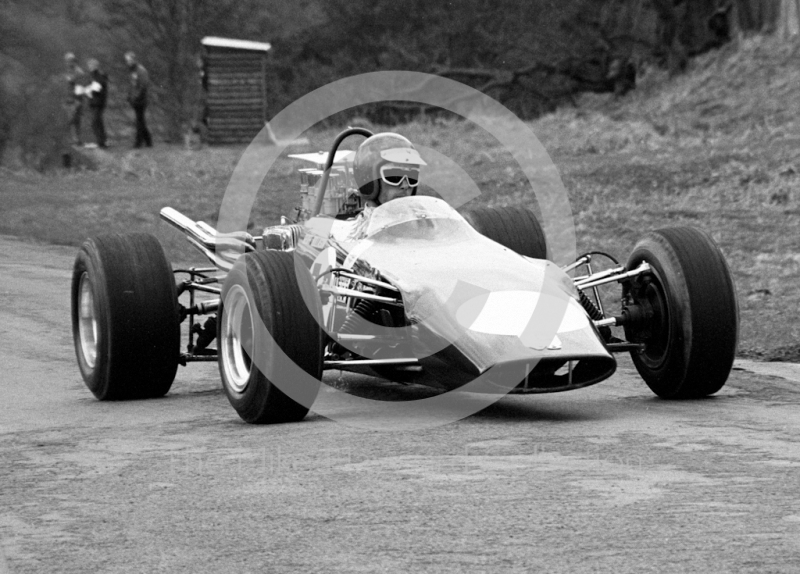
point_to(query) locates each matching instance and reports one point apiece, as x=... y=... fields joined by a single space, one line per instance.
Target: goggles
x=394 y=175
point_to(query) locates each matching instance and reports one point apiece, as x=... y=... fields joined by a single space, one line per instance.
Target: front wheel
x=686 y=313
x=125 y=318
x=269 y=338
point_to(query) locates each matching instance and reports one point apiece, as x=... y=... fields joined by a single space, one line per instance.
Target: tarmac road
x=607 y=478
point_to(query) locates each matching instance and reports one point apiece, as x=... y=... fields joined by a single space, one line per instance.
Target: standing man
x=137 y=98
x=73 y=104
x=97 y=94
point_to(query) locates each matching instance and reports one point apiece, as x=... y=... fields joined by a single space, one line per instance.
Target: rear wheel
x=687 y=313
x=270 y=339
x=125 y=321
x=514 y=227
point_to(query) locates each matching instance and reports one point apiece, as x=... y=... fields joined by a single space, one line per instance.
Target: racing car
x=423 y=294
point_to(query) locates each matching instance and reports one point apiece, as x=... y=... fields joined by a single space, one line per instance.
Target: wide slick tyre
x=691 y=316
x=514 y=227
x=125 y=318
x=270 y=342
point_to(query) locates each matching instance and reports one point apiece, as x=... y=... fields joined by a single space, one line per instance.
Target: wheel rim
x=87 y=322
x=237 y=339
x=657 y=343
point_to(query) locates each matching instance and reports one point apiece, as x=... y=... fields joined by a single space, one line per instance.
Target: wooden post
x=789 y=19
x=264 y=88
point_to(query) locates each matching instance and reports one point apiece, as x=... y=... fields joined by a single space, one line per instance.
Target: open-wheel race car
x=413 y=292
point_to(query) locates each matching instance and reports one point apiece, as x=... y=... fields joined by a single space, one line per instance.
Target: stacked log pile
x=236 y=98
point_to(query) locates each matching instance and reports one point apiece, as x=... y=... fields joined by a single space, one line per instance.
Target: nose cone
x=512 y=312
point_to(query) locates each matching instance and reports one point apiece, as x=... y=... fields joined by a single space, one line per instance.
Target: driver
x=386 y=166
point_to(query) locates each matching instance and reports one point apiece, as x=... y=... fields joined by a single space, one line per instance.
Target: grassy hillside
x=716 y=148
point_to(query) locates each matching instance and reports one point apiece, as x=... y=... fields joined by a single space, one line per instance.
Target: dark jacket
x=140 y=83
x=99 y=97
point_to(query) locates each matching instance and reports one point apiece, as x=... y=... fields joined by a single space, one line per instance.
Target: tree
x=165 y=34
x=529 y=54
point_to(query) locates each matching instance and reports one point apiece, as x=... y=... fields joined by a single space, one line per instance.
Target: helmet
x=376 y=151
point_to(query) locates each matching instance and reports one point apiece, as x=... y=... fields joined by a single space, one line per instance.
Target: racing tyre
x=514 y=227
x=270 y=340
x=125 y=321
x=689 y=316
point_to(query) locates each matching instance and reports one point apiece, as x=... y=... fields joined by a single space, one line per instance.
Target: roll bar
x=323 y=182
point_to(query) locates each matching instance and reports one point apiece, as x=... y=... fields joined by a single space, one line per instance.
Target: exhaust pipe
x=222 y=249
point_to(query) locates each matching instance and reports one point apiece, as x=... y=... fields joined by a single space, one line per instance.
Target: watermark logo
x=458 y=310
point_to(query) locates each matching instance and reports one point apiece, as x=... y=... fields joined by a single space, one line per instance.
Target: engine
x=341 y=197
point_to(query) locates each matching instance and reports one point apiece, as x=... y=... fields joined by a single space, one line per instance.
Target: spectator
x=97 y=93
x=137 y=98
x=73 y=104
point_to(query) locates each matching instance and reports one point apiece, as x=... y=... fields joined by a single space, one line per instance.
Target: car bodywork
x=456 y=303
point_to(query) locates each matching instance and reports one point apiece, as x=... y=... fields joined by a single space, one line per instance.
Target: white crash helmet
x=377 y=151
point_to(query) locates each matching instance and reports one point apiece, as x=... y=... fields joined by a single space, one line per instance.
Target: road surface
x=607 y=478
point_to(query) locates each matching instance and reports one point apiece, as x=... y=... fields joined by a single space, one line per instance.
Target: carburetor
x=341 y=196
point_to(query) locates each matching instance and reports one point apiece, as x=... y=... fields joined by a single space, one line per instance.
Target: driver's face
x=390 y=192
